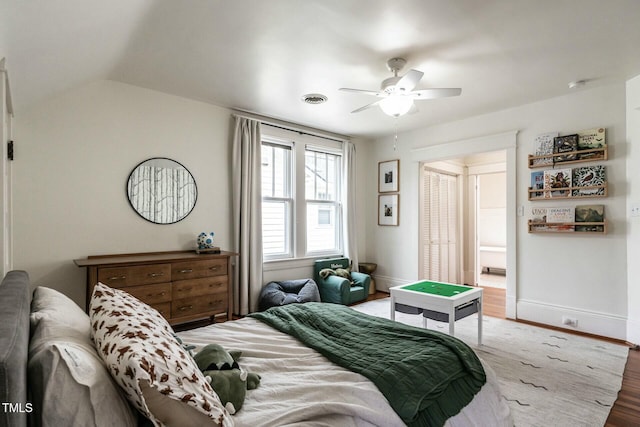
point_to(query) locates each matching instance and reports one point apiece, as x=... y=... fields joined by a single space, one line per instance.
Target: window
x=301 y=196
x=277 y=202
x=322 y=179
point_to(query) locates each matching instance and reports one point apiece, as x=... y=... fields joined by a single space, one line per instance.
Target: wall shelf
x=582 y=156
x=567 y=227
x=570 y=193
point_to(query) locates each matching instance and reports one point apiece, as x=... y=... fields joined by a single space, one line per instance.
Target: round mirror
x=161 y=190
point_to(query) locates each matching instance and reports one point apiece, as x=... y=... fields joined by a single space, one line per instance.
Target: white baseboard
x=587 y=321
x=633 y=331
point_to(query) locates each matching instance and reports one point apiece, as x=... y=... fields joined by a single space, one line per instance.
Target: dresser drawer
x=194 y=287
x=152 y=294
x=163 y=308
x=135 y=275
x=197 y=269
x=214 y=303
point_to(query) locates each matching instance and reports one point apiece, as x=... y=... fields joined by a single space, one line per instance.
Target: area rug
x=549 y=378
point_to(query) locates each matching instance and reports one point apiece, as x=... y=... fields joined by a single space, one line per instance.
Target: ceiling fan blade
x=362 y=91
x=409 y=81
x=373 y=104
x=435 y=93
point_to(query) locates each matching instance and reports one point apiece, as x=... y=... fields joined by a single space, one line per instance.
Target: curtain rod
x=303 y=130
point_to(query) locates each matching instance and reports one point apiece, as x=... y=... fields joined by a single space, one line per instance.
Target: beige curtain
x=247 y=215
x=349 y=203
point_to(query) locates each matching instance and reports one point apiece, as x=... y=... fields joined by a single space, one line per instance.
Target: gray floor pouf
x=275 y=294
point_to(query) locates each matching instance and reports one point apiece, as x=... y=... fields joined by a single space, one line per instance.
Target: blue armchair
x=340 y=290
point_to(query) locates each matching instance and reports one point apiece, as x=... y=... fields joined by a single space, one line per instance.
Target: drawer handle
x=156 y=274
x=186 y=307
x=215 y=268
x=117 y=278
x=161 y=294
x=186 y=270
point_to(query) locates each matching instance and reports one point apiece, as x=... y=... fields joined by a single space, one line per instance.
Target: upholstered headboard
x=15 y=304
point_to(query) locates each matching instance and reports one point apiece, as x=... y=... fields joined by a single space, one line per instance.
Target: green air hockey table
x=444 y=302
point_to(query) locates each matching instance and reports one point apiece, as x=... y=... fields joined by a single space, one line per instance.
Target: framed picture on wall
x=389 y=176
x=388 y=209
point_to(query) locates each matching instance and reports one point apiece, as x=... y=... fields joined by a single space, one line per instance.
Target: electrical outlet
x=570 y=321
x=635 y=210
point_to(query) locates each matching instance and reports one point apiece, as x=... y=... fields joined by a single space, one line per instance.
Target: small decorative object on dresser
x=205 y=244
x=181 y=285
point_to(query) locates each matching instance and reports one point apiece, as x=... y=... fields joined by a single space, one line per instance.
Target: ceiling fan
x=396 y=93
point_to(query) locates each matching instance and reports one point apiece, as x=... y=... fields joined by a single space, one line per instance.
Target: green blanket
x=426 y=376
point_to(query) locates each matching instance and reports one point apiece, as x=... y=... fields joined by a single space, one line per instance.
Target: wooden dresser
x=183 y=286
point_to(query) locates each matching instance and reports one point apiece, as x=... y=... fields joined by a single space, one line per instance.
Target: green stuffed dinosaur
x=221 y=369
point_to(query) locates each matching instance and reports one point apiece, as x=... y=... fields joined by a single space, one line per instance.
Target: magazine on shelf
x=557 y=182
x=543 y=144
x=537 y=183
x=588 y=176
x=589 y=139
x=565 y=144
x=589 y=213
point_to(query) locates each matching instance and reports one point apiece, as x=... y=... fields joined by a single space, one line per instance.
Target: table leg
x=392 y=314
x=480 y=320
x=452 y=319
x=424 y=322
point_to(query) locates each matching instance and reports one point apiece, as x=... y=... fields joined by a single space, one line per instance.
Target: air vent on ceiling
x=314 y=98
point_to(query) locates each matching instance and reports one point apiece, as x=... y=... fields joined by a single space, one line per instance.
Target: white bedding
x=300 y=387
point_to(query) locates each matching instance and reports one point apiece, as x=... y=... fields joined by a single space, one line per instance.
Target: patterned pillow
x=150 y=366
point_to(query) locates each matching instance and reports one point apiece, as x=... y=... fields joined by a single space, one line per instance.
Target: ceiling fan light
x=396 y=106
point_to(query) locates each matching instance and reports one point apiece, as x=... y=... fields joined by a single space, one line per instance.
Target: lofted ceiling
x=263 y=55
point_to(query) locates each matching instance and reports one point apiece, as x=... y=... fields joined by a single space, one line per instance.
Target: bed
x=53 y=373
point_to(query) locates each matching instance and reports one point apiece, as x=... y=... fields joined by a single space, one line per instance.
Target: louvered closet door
x=440 y=227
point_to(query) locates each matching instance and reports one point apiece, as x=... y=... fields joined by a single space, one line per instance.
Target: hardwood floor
x=626 y=409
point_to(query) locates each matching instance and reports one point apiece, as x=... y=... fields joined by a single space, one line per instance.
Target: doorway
x=463 y=224
x=505 y=142
x=490 y=244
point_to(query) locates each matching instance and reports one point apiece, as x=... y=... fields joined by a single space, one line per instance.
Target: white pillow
x=51 y=304
x=155 y=372
x=68 y=381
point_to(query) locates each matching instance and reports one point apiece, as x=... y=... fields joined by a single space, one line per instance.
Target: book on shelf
x=543 y=144
x=557 y=182
x=589 y=213
x=539 y=219
x=589 y=139
x=561 y=214
x=588 y=176
x=539 y=215
x=552 y=219
x=565 y=144
x=537 y=183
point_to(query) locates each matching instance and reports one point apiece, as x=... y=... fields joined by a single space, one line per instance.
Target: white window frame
x=289 y=201
x=336 y=204
x=299 y=142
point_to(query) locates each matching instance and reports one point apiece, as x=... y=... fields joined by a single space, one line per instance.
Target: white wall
x=578 y=275
x=73 y=157
x=632 y=151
